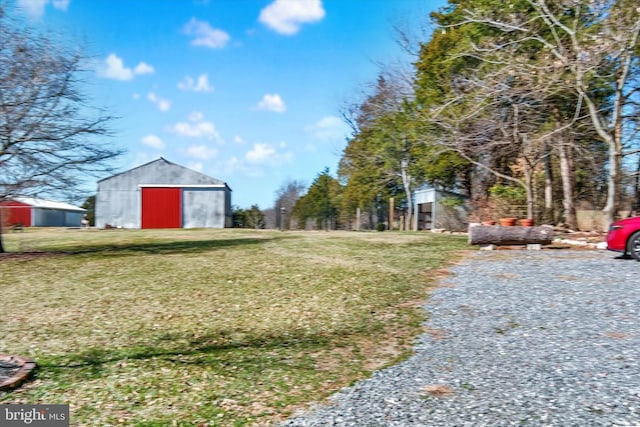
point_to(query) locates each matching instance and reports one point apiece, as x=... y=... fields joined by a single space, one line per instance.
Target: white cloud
x=286 y=16
x=272 y=102
x=205 y=35
x=161 y=103
x=196 y=116
x=35 y=8
x=260 y=153
x=267 y=154
x=186 y=84
x=234 y=166
x=61 y=4
x=238 y=140
x=197 y=130
x=135 y=96
x=113 y=68
x=153 y=141
x=201 y=84
x=201 y=152
x=329 y=128
x=196 y=166
x=143 y=68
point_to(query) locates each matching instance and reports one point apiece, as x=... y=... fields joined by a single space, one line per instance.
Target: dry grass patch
x=438 y=390
x=507 y=275
x=618 y=335
x=225 y=327
x=436 y=334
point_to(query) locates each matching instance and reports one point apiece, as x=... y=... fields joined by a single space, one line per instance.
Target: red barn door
x=161 y=208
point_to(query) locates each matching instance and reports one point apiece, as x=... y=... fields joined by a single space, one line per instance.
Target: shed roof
x=47 y=204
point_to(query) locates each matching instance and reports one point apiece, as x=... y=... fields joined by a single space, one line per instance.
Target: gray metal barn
x=162 y=194
x=438 y=209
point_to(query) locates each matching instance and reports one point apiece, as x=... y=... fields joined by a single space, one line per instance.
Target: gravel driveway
x=538 y=338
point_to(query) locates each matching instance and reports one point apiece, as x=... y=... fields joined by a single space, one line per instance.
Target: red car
x=624 y=236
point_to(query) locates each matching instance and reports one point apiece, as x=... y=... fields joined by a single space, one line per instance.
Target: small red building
x=32 y=212
x=14 y=212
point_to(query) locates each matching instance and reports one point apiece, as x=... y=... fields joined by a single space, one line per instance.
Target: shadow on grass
x=183 y=246
x=150 y=248
x=203 y=350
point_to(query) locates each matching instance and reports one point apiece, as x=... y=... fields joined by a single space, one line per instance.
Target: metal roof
x=47 y=204
x=214 y=181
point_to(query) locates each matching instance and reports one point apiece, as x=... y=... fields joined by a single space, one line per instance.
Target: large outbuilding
x=162 y=194
x=33 y=212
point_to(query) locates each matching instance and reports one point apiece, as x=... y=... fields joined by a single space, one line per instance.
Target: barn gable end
x=162 y=194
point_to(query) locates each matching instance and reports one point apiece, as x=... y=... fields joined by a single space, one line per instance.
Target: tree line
x=524 y=103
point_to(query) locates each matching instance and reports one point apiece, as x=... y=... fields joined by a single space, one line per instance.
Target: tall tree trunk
x=529 y=191
x=615 y=158
x=566 y=173
x=406 y=183
x=548 y=185
x=613 y=186
x=371 y=213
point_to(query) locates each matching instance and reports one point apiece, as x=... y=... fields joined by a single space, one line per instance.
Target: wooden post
x=391 y=212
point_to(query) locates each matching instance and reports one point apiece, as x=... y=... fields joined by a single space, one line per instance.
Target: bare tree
x=286 y=197
x=384 y=96
x=497 y=116
x=48 y=131
x=595 y=44
x=385 y=141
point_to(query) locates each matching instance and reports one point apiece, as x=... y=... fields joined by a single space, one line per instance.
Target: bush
x=381 y=226
x=508 y=193
x=508 y=200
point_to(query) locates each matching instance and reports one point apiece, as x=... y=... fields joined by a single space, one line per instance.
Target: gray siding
x=42 y=217
x=119 y=208
x=203 y=207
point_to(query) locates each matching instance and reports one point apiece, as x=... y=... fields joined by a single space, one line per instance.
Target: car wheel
x=633 y=245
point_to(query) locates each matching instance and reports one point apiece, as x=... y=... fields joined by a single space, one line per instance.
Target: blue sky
x=246 y=91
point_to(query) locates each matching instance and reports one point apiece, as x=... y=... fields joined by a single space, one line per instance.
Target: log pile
x=516 y=235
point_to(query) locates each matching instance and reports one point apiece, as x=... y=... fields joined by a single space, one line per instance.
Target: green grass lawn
x=212 y=327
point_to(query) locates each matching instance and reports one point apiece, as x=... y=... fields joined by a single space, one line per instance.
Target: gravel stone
x=533 y=338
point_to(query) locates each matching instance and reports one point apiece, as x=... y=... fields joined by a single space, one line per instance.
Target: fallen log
x=516 y=235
